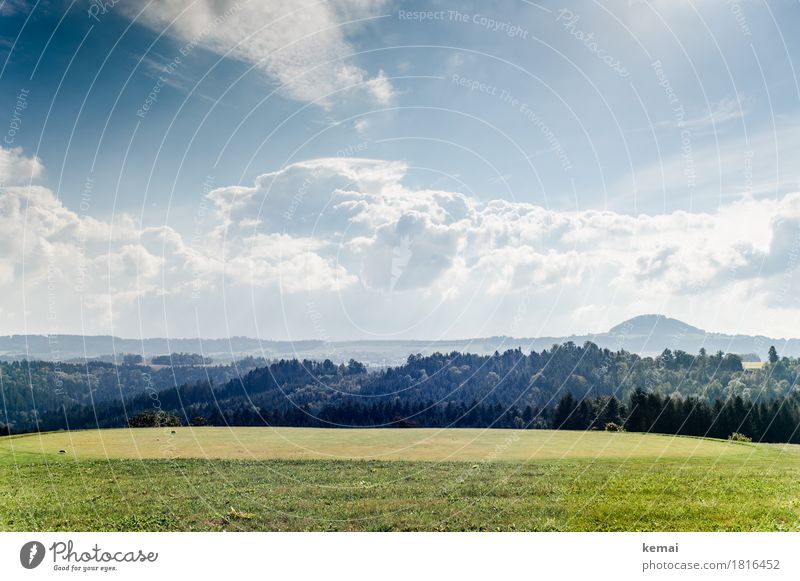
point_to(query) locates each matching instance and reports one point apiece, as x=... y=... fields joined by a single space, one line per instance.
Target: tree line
x=775 y=420
x=30 y=389
x=566 y=387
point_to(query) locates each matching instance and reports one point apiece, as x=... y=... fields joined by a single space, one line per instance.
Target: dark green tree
x=773 y=355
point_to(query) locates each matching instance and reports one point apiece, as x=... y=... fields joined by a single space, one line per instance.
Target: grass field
x=312 y=479
x=753 y=364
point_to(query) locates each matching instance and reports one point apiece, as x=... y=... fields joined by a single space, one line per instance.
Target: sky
x=357 y=169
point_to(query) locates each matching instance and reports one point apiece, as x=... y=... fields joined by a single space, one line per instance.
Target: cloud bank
x=341 y=248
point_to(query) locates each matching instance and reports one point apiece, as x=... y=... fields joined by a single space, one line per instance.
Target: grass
x=379 y=444
x=298 y=479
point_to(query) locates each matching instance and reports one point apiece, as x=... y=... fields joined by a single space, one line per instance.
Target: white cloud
x=727 y=109
x=16 y=168
x=427 y=247
x=303 y=46
x=342 y=248
x=371 y=223
x=381 y=89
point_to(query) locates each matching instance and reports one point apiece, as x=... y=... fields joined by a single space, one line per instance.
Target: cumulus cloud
x=303 y=45
x=371 y=223
x=439 y=248
x=343 y=248
x=16 y=168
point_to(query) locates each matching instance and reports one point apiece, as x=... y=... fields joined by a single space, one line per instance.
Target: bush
x=154 y=419
x=613 y=427
x=132 y=359
x=178 y=359
x=737 y=437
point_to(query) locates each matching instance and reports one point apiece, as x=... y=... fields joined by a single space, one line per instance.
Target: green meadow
x=208 y=478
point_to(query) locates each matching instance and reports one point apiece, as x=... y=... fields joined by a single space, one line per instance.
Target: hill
x=645 y=335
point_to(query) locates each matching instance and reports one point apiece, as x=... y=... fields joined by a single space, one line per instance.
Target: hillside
x=569 y=386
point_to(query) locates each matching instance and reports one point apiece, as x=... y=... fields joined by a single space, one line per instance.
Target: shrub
x=737 y=437
x=132 y=359
x=178 y=359
x=154 y=419
x=613 y=427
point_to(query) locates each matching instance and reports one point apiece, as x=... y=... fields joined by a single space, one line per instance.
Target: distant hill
x=651 y=334
x=646 y=324
x=645 y=334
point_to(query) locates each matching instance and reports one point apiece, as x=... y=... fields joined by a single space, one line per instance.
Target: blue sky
x=607 y=159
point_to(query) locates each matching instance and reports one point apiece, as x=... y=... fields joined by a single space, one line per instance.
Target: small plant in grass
x=737 y=437
x=234 y=514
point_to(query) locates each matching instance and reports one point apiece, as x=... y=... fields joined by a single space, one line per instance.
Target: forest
x=565 y=387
